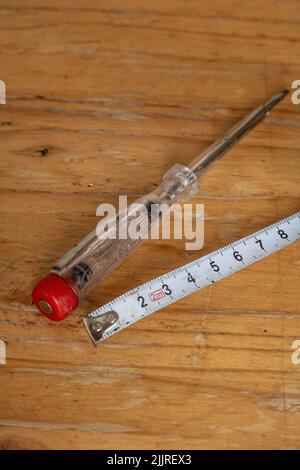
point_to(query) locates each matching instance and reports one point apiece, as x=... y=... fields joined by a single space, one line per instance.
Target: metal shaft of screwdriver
x=221 y=146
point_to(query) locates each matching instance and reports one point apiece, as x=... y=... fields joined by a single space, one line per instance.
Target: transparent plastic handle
x=94 y=258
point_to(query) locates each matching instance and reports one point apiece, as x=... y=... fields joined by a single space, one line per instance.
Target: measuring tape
x=189 y=278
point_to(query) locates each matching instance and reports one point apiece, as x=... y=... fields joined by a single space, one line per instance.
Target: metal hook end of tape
x=97 y=326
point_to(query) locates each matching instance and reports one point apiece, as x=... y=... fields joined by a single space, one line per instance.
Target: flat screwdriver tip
x=285 y=92
x=221 y=146
x=275 y=99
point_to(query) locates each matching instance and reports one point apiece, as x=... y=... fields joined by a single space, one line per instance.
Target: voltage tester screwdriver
x=84 y=266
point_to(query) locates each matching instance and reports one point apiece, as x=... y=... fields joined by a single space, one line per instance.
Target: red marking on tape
x=156 y=295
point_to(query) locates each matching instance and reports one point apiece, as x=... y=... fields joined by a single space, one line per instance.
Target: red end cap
x=54 y=298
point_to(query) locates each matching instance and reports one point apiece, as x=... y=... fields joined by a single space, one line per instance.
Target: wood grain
x=117 y=92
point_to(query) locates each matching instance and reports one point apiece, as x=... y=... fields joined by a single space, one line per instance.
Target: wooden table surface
x=102 y=98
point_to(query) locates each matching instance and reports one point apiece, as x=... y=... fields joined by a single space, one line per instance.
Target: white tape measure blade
x=189 y=278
